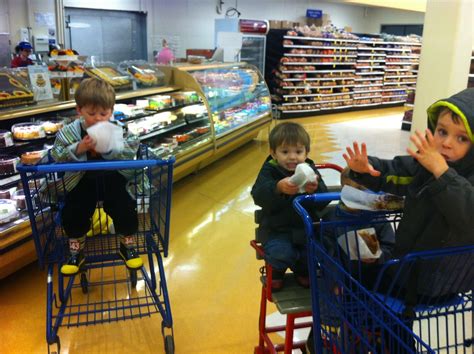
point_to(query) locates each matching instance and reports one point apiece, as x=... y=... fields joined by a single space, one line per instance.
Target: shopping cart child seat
x=292 y=300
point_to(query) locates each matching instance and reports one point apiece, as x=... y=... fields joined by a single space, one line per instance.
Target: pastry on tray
x=13 y=91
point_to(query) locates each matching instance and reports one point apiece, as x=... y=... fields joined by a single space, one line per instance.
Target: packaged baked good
x=33 y=157
x=6 y=138
x=52 y=126
x=14 y=90
x=8 y=164
x=144 y=74
x=28 y=131
x=19 y=198
x=109 y=73
x=8 y=211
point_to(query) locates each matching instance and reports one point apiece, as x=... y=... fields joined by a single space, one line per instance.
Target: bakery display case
x=236 y=97
x=203 y=113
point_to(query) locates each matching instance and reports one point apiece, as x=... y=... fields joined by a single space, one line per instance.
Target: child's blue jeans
x=282 y=254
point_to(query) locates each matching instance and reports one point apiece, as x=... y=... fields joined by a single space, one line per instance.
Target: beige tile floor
x=211 y=270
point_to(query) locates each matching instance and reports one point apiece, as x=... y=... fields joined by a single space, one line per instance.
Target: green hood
x=462 y=104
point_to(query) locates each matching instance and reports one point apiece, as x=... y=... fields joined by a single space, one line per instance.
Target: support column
x=445 y=54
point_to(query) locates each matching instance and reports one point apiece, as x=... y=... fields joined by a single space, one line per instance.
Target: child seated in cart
x=284 y=241
x=94 y=102
x=437 y=180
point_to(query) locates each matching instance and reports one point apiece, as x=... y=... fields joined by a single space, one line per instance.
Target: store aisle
x=212 y=272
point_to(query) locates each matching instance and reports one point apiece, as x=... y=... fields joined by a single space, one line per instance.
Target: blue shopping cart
x=395 y=307
x=105 y=291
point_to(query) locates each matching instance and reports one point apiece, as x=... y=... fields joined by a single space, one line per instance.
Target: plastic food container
x=8 y=211
x=28 y=131
x=33 y=157
x=52 y=126
x=6 y=138
x=19 y=198
x=8 y=164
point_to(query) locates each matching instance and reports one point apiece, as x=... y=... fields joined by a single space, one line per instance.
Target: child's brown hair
x=96 y=93
x=289 y=133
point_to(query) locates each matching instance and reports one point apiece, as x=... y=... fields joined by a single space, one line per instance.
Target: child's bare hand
x=286 y=187
x=427 y=154
x=86 y=144
x=311 y=187
x=358 y=161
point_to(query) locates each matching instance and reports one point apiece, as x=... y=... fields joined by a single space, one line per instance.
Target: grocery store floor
x=211 y=270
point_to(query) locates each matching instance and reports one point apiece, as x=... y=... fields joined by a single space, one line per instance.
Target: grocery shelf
x=315 y=87
x=314 y=102
x=322 y=39
x=313 y=63
x=321 y=55
x=321 y=78
x=370 y=73
x=370 y=66
x=317 y=47
x=366 y=97
x=364 y=91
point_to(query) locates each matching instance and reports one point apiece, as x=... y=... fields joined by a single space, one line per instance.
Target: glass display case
x=237 y=96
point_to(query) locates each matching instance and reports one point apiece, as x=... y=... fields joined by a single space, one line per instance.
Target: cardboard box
x=287 y=24
x=275 y=24
x=325 y=20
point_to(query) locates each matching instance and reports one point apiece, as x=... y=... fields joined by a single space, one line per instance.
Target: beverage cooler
x=253 y=38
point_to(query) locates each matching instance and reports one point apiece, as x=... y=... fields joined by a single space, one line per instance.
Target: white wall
x=190 y=23
x=379 y=16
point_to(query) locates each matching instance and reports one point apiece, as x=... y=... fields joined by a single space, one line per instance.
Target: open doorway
x=108 y=35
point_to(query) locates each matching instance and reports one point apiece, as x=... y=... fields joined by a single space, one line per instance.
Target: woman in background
x=165 y=56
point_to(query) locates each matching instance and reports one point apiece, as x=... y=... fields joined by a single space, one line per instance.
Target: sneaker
x=277 y=279
x=131 y=257
x=302 y=280
x=74 y=264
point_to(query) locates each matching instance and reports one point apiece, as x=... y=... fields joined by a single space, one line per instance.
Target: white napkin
x=366 y=200
x=357 y=249
x=303 y=174
x=108 y=137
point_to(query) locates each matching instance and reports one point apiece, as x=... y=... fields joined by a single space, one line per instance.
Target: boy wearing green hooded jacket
x=437 y=180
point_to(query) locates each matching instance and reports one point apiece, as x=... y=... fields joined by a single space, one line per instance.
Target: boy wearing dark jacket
x=285 y=241
x=437 y=180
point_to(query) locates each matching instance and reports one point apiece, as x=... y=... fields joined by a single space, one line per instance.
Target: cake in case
x=8 y=164
x=8 y=210
x=28 y=131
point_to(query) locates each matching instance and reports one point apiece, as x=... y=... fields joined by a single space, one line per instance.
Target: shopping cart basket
x=392 y=308
x=105 y=291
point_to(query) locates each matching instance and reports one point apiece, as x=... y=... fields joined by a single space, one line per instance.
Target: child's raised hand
x=358 y=161
x=311 y=187
x=286 y=187
x=86 y=144
x=427 y=154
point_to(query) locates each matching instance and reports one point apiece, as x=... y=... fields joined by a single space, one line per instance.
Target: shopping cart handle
x=93 y=166
x=298 y=203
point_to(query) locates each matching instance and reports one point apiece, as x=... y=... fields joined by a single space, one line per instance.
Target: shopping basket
x=105 y=291
x=390 y=308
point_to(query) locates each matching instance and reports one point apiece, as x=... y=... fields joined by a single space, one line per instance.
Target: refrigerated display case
x=237 y=99
x=253 y=50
